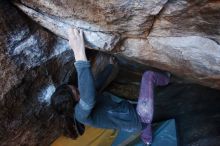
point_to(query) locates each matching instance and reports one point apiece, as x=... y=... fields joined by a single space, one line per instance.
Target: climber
x=86 y=107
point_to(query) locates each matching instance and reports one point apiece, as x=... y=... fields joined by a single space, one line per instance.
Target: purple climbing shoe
x=146 y=135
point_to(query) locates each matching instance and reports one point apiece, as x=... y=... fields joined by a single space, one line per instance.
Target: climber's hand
x=76 y=42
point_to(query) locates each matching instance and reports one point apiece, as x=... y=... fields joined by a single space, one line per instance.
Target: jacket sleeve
x=87 y=92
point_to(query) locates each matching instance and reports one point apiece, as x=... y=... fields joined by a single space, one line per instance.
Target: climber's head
x=63 y=101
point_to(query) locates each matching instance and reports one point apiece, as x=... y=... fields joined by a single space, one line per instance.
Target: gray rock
x=178 y=36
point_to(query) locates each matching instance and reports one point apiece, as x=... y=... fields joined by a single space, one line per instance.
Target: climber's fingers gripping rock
x=76 y=43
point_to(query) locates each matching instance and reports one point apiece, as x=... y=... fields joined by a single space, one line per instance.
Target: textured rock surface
x=134 y=17
x=187 y=57
x=28 y=79
x=179 y=36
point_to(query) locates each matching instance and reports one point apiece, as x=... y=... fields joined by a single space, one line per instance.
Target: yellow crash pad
x=91 y=137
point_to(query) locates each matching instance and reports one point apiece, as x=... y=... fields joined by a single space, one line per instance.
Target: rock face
x=27 y=79
x=181 y=36
x=178 y=36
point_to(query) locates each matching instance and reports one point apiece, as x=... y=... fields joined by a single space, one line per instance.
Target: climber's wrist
x=80 y=56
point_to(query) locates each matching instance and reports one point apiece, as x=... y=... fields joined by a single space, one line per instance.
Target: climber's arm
x=85 y=78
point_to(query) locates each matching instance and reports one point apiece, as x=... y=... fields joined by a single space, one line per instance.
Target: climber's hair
x=62 y=101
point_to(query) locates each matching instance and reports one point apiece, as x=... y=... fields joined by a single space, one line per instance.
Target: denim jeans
x=100 y=110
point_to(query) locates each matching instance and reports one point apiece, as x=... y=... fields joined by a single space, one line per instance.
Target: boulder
x=28 y=79
x=178 y=36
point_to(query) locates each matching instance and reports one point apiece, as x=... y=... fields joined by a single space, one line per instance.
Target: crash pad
x=91 y=137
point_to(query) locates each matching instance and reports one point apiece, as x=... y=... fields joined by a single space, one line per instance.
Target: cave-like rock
x=178 y=36
x=181 y=36
x=28 y=79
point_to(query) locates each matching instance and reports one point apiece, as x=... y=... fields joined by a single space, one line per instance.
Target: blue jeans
x=100 y=110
